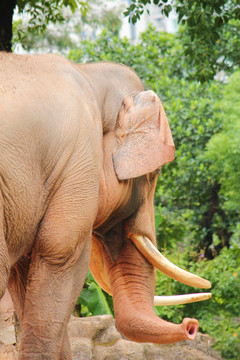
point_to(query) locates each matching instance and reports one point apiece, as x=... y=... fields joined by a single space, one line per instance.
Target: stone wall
x=97 y=338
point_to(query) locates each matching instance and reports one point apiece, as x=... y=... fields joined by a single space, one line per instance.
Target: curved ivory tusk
x=180 y=299
x=151 y=253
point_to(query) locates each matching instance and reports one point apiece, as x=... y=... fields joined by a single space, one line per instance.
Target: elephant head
x=124 y=253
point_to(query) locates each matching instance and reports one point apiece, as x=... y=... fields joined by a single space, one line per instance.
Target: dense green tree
x=223 y=150
x=65 y=35
x=40 y=12
x=211 y=32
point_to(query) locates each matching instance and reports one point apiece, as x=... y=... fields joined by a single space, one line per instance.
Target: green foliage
x=155 y=57
x=43 y=12
x=219 y=316
x=223 y=148
x=70 y=26
x=210 y=30
x=93 y=300
x=187 y=188
x=136 y=9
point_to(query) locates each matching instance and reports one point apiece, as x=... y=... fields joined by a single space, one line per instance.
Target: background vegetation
x=208 y=27
x=197 y=199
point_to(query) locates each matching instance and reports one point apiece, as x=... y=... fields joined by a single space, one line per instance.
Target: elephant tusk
x=180 y=299
x=151 y=253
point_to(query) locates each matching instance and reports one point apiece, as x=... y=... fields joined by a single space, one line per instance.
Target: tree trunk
x=6 y=14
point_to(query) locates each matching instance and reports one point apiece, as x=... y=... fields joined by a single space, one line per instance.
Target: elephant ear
x=144 y=139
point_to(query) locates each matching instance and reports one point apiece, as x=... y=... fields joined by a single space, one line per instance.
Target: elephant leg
x=17 y=284
x=17 y=287
x=59 y=261
x=51 y=294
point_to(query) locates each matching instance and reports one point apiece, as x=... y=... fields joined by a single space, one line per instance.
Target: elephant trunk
x=132 y=285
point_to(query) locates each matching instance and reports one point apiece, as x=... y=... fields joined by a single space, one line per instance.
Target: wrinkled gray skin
x=61 y=179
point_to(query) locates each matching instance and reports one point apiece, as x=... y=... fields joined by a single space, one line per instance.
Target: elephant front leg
x=52 y=291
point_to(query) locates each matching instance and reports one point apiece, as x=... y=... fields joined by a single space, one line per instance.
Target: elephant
x=81 y=147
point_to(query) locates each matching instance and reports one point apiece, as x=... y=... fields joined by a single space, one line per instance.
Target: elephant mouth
x=153 y=255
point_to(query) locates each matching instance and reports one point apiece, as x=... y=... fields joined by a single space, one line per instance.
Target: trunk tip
x=190 y=328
